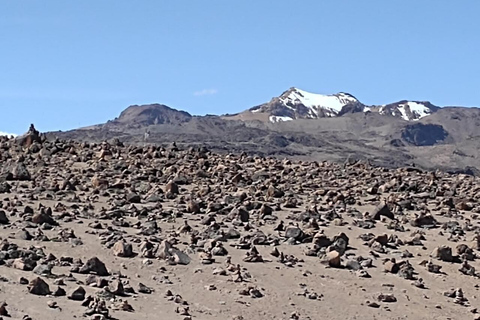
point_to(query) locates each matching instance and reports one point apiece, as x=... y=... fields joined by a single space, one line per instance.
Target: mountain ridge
x=300 y=104
x=389 y=135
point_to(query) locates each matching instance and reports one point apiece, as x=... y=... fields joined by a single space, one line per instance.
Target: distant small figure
x=32 y=129
x=31 y=136
x=146 y=136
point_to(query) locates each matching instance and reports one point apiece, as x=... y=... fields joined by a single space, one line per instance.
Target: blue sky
x=66 y=64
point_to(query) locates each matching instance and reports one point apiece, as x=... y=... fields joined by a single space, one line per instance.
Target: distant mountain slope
x=309 y=126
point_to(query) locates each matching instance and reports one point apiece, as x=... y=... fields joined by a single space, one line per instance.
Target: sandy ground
x=342 y=294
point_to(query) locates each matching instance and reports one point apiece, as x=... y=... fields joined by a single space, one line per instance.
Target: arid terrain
x=125 y=231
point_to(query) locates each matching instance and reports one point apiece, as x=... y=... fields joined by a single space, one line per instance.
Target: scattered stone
x=122 y=249
x=116 y=288
x=184 y=208
x=333 y=259
x=95 y=266
x=382 y=210
x=78 y=294
x=20 y=172
x=144 y=289
x=391 y=266
x=3 y=218
x=3 y=309
x=39 y=287
x=386 y=298
x=59 y=292
x=443 y=253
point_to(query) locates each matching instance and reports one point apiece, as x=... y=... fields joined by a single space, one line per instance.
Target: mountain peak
x=296 y=103
x=407 y=110
x=309 y=99
x=151 y=114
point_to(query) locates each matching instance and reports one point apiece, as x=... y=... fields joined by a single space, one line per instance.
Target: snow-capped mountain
x=407 y=110
x=299 y=104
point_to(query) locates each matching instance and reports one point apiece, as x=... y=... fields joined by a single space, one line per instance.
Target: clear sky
x=66 y=64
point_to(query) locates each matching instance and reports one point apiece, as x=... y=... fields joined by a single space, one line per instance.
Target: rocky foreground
x=107 y=231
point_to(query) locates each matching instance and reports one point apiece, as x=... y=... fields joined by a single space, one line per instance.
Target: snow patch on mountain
x=332 y=104
x=276 y=119
x=417 y=109
x=300 y=104
x=407 y=110
x=403 y=112
x=2 y=133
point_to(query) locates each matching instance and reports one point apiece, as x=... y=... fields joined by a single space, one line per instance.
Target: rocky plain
x=115 y=231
